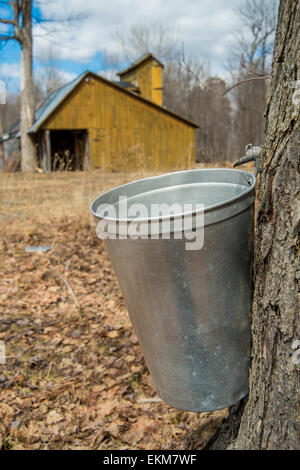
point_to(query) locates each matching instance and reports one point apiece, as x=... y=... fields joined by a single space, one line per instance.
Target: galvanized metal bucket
x=190 y=309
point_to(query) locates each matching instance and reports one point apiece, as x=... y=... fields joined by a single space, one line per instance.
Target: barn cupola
x=145 y=75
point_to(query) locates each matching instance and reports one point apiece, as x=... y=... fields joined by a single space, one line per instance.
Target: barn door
x=81 y=150
x=86 y=149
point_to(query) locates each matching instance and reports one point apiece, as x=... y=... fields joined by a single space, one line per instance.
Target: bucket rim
x=207 y=210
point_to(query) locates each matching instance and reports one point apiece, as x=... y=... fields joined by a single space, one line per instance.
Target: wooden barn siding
x=124 y=132
x=148 y=77
x=157 y=84
x=144 y=79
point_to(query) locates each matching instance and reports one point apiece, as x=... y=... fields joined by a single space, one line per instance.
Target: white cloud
x=109 y=74
x=10 y=70
x=66 y=76
x=40 y=73
x=205 y=25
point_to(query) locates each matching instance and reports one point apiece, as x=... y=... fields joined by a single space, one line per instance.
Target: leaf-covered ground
x=75 y=376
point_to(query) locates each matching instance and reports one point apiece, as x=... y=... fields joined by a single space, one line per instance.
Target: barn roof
x=55 y=98
x=127 y=85
x=137 y=62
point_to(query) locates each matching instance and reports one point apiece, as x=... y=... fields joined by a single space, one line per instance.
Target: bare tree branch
x=15 y=7
x=188 y=69
x=18 y=6
x=7 y=37
x=4 y=21
x=252 y=72
x=263 y=77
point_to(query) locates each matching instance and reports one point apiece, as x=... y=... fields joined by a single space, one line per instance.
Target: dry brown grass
x=27 y=201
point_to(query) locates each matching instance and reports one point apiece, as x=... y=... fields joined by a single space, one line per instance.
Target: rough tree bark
x=268 y=419
x=21 y=31
x=27 y=99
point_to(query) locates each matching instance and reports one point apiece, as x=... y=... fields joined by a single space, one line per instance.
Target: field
x=75 y=376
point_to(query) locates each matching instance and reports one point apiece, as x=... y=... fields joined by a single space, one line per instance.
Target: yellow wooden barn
x=95 y=123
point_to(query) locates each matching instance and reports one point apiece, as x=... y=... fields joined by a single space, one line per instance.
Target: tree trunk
x=28 y=148
x=269 y=418
x=1 y=123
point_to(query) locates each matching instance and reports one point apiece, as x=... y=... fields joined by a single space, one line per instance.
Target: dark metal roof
x=53 y=100
x=127 y=85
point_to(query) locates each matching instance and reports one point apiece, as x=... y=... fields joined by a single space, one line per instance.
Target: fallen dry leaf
x=54 y=417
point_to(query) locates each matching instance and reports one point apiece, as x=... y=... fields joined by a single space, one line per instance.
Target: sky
x=204 y=26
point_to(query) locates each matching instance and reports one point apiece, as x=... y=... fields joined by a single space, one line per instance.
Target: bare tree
x=213 y=113
x=178 y=84
x=255 y=36
x=270 y=417
x=253 y=46
x=18 y=22
x=47 y=77
x=160 y=39
x=197 y=97
x=19 y=25
x=10 y=112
